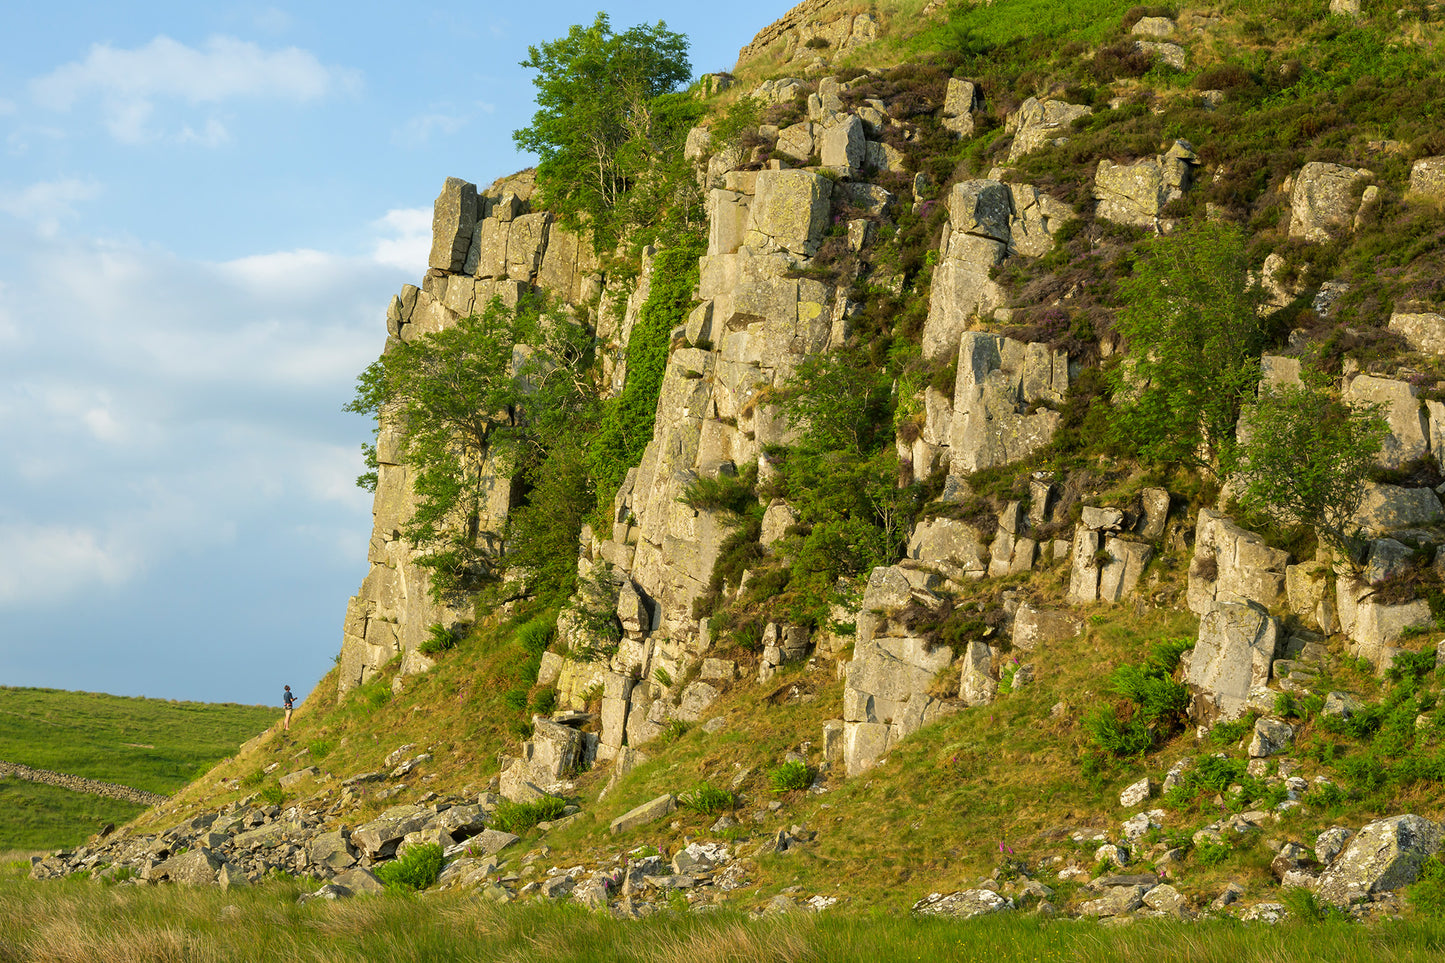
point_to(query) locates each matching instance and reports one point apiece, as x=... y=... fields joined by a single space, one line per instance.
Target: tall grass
x=82 y=922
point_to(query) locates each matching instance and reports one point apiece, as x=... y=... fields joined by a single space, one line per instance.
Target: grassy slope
x=151 y=744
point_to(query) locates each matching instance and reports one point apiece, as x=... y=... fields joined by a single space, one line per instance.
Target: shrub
x=518 y=817
x=439 y=639
x=417 y=868
x=673 y=731
x=1121 y=737
x=708 y=800
x=790 y=776
x=1210 y=853
x=544 y=700
x=272 y=795
x=1427 y=894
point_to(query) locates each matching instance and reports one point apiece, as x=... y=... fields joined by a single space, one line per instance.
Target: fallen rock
x=1384 y=855
x=648 y=812
x=964 y=905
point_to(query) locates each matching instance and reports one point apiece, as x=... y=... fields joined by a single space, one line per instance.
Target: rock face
x=1322 y=201
x=1399 y=403
x=1039 y=122
x=1001 y=400
x=1427 y=177
x=1384 y=855
x=1231 y=661
x=1136 y=193
x=484 y=245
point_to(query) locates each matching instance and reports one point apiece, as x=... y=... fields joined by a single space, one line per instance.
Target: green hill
x=155 y=745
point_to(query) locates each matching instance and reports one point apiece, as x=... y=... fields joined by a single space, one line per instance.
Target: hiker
x=289 y=701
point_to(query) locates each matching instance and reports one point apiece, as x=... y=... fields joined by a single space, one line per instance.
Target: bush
x=673 y=731
x=439 y=639
x=1427 y=894
x=272 y=795
x=708 y=800
x=1120 y=737
x=417 y=868
x=544 y=701
x=515 y=817
x=790 y=776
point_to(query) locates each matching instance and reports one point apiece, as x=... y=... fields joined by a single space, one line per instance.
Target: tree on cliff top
x=607 y=120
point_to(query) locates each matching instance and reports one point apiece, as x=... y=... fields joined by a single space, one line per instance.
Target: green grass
x=36 y=817
x=151 y=744
x=81 y=920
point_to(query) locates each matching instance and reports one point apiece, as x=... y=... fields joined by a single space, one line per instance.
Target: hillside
x=972 y=458
x=155 y=746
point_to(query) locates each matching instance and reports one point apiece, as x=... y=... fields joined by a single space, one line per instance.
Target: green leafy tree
x=1307 y=456
x=1192 y=331
x=470 y=407
x=608 y=119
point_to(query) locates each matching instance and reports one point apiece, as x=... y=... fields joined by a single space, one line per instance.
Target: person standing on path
x=289 y=701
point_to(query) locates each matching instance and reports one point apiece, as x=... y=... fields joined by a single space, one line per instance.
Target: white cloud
x=7 y=107
x=129 y=83
x=44 y=562
x=408 y=244
x=46 y=203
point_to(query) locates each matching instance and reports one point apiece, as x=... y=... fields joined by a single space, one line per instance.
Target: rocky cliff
x=982 y=222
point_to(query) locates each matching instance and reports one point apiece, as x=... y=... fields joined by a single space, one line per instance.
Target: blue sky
x=204 y=209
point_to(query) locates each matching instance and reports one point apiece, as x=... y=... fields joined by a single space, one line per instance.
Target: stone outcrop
x=976 y=239
x=1107 y=560
x=1233 y=565
x=811 y=27
x=1002 y=399
x=1040 y=122
x=1322 y=200
x=1135 y=194
x=1229 y=666
x=888 y=683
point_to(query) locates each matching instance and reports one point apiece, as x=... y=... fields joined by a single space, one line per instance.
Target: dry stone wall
x=93 y=787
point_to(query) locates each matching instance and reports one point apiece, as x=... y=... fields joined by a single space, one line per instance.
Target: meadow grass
x=83 y=921
x=153 y=744
x=34 y=816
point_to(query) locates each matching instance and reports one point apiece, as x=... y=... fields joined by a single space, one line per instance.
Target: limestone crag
x=810 y=29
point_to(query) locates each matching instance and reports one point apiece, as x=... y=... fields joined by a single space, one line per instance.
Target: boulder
x=1036 y=216
x=1167 y=900
x=379 y=837
x=648 y=812
x=1136 y=193
x=1384 y=855
x=197 y=867
x=959 y=102
x=695 y=700
x=1034 y=627
x=1136 y=793
x=1331 y=843
x=1424 y=330
x=1153 y=27
x=1427 y=178
x=1322 y=200
x=844 y=145
x=1237 y=646
x=1271 y=736
x=1116 y=901
x=489 y=842
x=965 y=905
x=1040 y=122
x=454 y=218
x=359 y=882
x=977 y=686
x=331 y=850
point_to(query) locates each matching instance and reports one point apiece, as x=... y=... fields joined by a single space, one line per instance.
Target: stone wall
x=94 y=787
